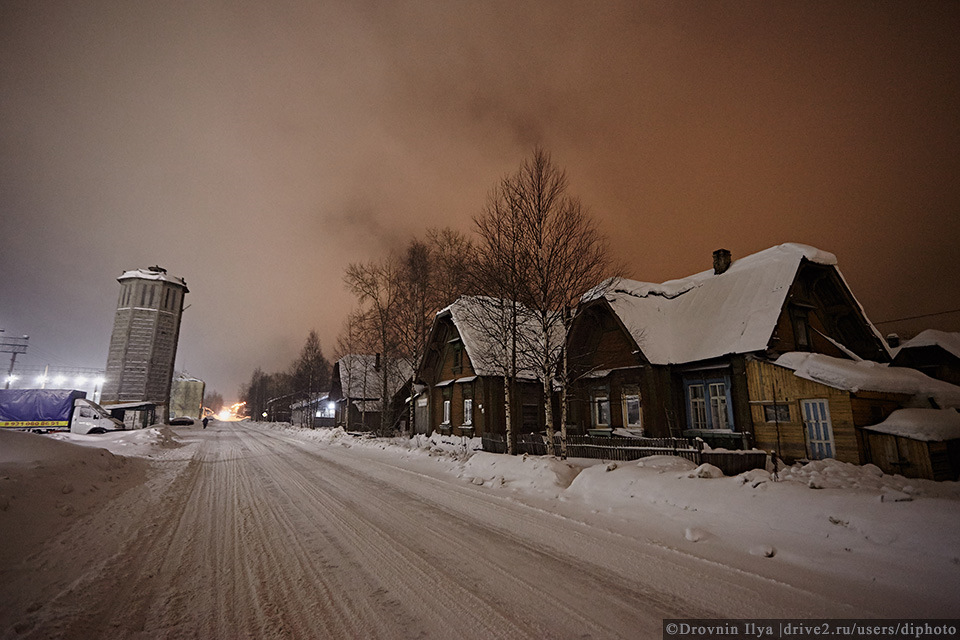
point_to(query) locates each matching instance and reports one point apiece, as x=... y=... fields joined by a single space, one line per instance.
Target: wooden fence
x=627 y=449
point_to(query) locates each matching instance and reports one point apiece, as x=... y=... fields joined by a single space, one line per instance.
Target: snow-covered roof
x=930 y=425
x=946 y=340
x=709 y=315
x=870 y=376
x=484 y=327
x=361 y=378
x=153 y=273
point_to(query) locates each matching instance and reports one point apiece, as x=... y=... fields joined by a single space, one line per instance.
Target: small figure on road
x=205 y=421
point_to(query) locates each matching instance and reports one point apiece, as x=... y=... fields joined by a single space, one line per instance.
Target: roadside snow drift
x=46 y=484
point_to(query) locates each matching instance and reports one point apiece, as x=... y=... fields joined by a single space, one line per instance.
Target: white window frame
x=718 y=404
x=598 y=400
x=468 y=411
x=628 y=396
x=698 y=406
x=446 y=412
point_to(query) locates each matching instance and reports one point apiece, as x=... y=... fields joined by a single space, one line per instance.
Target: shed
x=917 y=443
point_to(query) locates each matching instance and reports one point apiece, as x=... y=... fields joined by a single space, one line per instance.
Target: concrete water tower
x=143 y=346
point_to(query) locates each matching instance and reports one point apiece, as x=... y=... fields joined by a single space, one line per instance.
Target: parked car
x=181 y=421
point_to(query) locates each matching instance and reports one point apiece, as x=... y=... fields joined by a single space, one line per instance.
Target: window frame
x=706 y=383
x=599 y=398
x=629 y=393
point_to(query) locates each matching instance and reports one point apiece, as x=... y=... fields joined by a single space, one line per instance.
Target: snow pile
x=439 y=443
x=932 y=425
x=136 y=442
x=870 y=376
x=832 y=474
x=46 y=484
x=539 y=474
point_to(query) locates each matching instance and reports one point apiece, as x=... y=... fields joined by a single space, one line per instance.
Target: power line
x=926 y=315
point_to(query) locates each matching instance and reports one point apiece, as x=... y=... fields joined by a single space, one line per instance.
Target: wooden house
x=812 y=406
x=670 y=359
x=356 y=389
x=463 y=368
x=936 y=353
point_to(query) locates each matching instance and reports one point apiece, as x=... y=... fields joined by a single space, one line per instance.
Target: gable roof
x=708 y=315
x=360 y=377
x=484 y=327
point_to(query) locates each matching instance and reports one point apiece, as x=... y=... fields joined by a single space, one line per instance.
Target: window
x=819 y=430
x=457 y=356
x=718 y=405
x=776 y=412
x=698 y=408
x=143 y=295
x=631 y=407
x=708 y=401
x=601 y=409
x=446 y=412
x=801 y=330
x=468 y=411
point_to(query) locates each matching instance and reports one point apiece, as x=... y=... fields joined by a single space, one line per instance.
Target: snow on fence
x=625 y=449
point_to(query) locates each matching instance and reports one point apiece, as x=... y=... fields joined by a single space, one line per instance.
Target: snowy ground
x=257 y=530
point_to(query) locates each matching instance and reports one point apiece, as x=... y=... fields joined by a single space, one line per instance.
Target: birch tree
x=555 y=254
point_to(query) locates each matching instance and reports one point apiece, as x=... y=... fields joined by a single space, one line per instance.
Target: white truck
x=45 y=410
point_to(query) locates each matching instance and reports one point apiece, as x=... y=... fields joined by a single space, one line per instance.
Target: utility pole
x=13 y=346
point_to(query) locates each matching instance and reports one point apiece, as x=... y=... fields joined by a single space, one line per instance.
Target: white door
x=816 y=419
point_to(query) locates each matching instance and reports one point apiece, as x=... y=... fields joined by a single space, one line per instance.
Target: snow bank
x=538 y=474
x=46 y=484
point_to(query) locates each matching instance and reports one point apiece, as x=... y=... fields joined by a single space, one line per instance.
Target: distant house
x=463 y=371
x=186 y=396
x=316 y=411
x=670 y=359
x=813 y=406
x=936 y=353
x=357 y=389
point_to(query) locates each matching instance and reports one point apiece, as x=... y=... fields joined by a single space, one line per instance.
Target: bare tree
x=549 y=251
x=355 y=340
x=378 y=285
x=311 y=370
x=433 y=275
x=497 y=273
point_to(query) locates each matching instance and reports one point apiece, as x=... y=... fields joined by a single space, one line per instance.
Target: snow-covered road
x=262 y=534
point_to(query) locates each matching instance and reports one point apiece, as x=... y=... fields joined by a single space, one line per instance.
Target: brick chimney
x=721 y=261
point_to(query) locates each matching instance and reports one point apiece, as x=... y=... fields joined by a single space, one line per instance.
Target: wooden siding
x=769 y=383
x=489 y=415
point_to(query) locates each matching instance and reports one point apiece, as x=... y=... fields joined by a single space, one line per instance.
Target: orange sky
x=257 y=148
